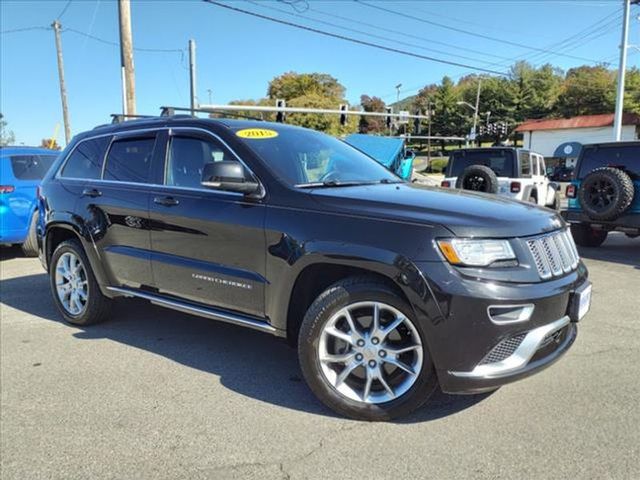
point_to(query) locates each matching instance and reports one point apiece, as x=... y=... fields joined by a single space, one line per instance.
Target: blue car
x=21 y=170
x=388 y=151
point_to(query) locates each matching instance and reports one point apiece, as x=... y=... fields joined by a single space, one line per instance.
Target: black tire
x=606 y=193
x=334 y=298
x=479 y=179
x=585 y=236
x=98 y=307
x=30 y=245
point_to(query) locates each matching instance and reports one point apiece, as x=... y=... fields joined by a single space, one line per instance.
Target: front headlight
x=475 y=252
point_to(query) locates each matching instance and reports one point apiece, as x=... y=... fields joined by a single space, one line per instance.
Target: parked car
x=387 y=288
x=510 y=172
x=605 y=194
x=390 y=152
x=21 y=170
x=561 y=174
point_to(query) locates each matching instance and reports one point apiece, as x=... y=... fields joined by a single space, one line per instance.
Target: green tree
x=292 y=85
x=372 y=124
x=447 y=116
x=632 y=91
x=587 y=91
x=324 y=123
x=6 y=136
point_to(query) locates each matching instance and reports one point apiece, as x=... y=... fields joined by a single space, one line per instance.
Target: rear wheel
x=363 y=354
x=585 y=236
x=74 y=287
x=30 y=245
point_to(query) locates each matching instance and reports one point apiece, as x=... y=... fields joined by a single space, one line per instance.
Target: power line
x=115 y=44
x=24 y=29
x=474 y=34
x=351 y=39
x=64 y=10
x=352 y=30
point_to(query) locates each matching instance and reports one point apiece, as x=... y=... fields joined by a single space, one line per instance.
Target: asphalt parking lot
x=159 y=394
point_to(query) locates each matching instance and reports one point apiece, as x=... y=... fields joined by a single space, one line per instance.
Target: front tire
x=73 y=285
x=585 y=236
x=363 y=354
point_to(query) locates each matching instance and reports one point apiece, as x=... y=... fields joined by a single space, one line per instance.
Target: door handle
x=166 y=201
x=91 y=192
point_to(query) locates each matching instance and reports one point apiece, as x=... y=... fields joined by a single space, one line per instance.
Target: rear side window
x=31 y=167
x=129 y=160
x=626 y=157
x=525 y=164
x=86 y=159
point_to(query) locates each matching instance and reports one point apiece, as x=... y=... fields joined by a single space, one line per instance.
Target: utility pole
x=126 y=58
x=475 y=113
x=192 y=75
x=430 y=113
x=63 y=87
x=622 y=70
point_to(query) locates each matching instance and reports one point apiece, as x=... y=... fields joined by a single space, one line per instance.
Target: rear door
x=208 y=245
x=115 y=208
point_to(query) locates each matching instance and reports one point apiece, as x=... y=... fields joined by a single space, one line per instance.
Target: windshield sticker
x=256 y=133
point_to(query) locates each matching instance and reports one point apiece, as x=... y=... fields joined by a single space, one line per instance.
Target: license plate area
x=580 y=302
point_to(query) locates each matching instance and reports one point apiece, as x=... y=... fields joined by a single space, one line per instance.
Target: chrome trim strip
x=525 y=313
x=199 y=311
x=519 y=359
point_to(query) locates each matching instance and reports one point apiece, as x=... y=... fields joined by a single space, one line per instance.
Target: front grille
x=504 y=349
x=554 y=254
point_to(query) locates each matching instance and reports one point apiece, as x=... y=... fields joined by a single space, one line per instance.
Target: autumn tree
x=50 y=143
x=372 y=124
x=6 y=136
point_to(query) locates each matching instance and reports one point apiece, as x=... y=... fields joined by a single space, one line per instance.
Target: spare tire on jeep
x=478 y=178
x=606 y=193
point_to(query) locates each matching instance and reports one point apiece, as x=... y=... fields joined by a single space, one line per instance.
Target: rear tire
x=377 y=388
x=606 y=193
x=585 y=236
x=74 y=288
x=30 y=245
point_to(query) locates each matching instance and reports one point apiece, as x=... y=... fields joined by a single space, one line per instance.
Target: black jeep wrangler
x=605 y=192
x=387 y=288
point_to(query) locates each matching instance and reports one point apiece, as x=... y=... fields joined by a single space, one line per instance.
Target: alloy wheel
x=71 y=283
x=370 y=352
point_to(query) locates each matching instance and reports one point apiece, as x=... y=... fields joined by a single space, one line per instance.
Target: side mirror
x=229 y=176
x=409 y=154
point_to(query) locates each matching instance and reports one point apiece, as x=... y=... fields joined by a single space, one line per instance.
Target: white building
x=546 y=135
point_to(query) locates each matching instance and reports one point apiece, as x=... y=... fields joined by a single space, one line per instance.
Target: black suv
x=605 y=194
x=387 y=288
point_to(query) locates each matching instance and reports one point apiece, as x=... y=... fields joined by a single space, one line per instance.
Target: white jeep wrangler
x=512 y=172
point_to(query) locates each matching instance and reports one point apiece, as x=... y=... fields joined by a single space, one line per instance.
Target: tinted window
x=525 y=164
x=500 y=161
x=300 y=156
x=187 y=157
x=86 y=159
x=31 y=167
x=626 y=157
x=130 y=160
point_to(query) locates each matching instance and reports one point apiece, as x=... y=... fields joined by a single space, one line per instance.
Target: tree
x=447 y=117
x=324 y=123
x=587 y=91
x=632 y=91
x=372 y=124
x=50 y=143
x=6 y=136
x=292 y=85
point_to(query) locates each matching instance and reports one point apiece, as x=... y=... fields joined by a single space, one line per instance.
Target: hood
x=466 y=214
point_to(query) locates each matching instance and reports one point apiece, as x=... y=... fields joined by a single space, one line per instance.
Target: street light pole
x=622 y=69
x=476 y=109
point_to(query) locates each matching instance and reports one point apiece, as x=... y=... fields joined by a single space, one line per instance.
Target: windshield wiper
x=330 y=184
x=390 y=181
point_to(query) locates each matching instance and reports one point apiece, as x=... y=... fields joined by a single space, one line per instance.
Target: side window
x=129 y=160
x=187 y=157
x=31 y=167
x=86 y=159
x=525 y=164
x=543 y=166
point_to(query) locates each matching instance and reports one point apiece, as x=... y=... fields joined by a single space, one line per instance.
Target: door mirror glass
x=228 y=175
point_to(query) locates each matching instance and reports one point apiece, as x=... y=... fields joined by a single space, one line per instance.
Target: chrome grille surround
x=554 y=254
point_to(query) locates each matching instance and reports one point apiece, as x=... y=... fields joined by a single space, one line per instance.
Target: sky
x=238 y=54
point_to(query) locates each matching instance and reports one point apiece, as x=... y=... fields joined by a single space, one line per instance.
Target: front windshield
x=305 y=158
x=500 y=161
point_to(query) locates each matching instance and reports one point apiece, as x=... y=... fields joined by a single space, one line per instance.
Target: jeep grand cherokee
x=387 y=288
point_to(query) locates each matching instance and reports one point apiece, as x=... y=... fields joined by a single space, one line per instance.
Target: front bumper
x=473 y=349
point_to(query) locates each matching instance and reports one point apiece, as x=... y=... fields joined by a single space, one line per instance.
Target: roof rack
x=171 y=111
x=121 y=117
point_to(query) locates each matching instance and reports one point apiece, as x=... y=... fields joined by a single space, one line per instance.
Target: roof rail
x=121 y=117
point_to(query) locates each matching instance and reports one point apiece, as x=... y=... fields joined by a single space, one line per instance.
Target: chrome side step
x=199 y=311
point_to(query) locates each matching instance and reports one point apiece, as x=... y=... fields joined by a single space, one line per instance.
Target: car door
x=208 y=245
x=115 y=208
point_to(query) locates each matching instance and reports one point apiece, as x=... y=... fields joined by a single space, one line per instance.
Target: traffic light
x=280 y=103
x=388 y=117
x=343 y=116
